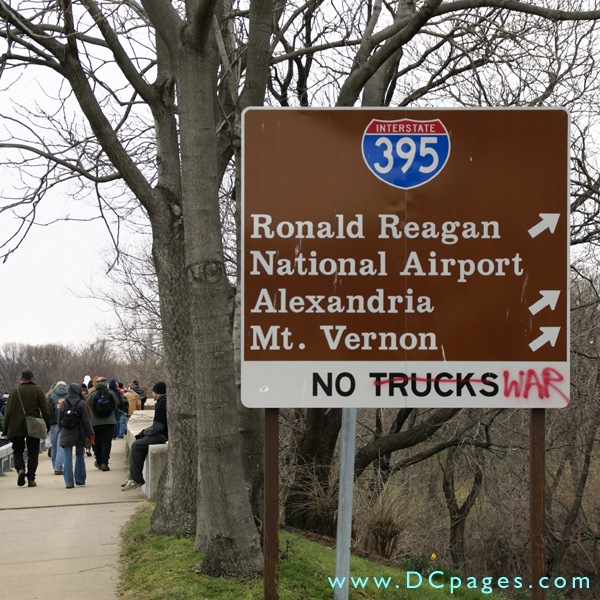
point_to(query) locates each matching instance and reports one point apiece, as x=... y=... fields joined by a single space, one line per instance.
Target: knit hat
x=63 y=383
x=112 y=384
x=160 y=387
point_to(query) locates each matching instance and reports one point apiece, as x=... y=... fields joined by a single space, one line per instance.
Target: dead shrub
x=380 y=518
x=316 y=497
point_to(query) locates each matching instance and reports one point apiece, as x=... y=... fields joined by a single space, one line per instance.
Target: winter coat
x=133 y=400
x=91 y=400
x=75 y=436
x=35 y=404
x=159 y=424
x=55 y=399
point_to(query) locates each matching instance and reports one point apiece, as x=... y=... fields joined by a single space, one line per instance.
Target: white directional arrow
x=549 y=298
x=549 y=334
x=549 y=221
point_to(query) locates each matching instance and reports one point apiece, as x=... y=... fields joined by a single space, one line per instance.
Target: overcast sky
x=39 y=282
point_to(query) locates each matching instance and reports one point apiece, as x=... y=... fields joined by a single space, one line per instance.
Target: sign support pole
x=537 y=503
x=344 y=516
x=271 y=539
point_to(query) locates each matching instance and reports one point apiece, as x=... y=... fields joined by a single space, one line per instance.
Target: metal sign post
x=344 y=516
x=271 y=531
x=537 y=502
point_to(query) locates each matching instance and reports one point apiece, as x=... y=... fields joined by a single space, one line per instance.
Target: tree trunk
x=559 y=546
x=401 y=439
x=176 y=503
x=252 y=420
x=458 y=515
x=225 y=527
x=252 y=430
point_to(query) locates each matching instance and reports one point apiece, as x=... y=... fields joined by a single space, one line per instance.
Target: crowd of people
x=85 y=417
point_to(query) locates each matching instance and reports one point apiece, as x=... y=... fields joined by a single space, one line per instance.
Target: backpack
x=104 y=404
x=70 y=417
x=123 y=404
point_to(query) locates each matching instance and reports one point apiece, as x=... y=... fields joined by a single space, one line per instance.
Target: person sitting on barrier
x=157 y=433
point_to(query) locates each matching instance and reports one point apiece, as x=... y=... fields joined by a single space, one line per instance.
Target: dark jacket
x=56 y=397
x=140 y=392
x=35 y=404
x=111 y=419
x=159 y=425
x=75 y=436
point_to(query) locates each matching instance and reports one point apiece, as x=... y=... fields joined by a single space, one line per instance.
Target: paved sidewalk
x=64 y=544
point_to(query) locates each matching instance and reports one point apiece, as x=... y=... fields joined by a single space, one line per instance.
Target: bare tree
x=55 y=362
x=130 y=290
x=459 y=514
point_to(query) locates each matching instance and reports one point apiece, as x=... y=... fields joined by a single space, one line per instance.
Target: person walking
x=117 y=388
x=140 y=392
x=85 y=392
x=57 y=395
x=75 y=428
x=157 y=433
x=103 y=403
x=29 y=399
x=133 y=400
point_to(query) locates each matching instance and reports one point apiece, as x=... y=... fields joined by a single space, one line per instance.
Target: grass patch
x=164 y=568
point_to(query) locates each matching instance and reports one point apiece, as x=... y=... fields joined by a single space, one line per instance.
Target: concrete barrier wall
x=154 y=465
x=6 y=458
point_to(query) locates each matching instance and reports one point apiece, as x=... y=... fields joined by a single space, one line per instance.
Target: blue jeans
x=120 y=425
x=56 y=449
x=79 y=465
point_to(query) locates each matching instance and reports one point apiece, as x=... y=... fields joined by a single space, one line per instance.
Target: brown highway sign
x=396 y=257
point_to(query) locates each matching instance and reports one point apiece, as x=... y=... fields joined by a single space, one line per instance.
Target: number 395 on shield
x=406 y=153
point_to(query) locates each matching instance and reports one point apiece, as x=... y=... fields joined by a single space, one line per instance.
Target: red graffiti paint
x=535 y=383
x=423 y=379
x=529 y=380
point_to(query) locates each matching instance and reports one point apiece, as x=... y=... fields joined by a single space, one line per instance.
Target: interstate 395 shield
x=406 y=153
